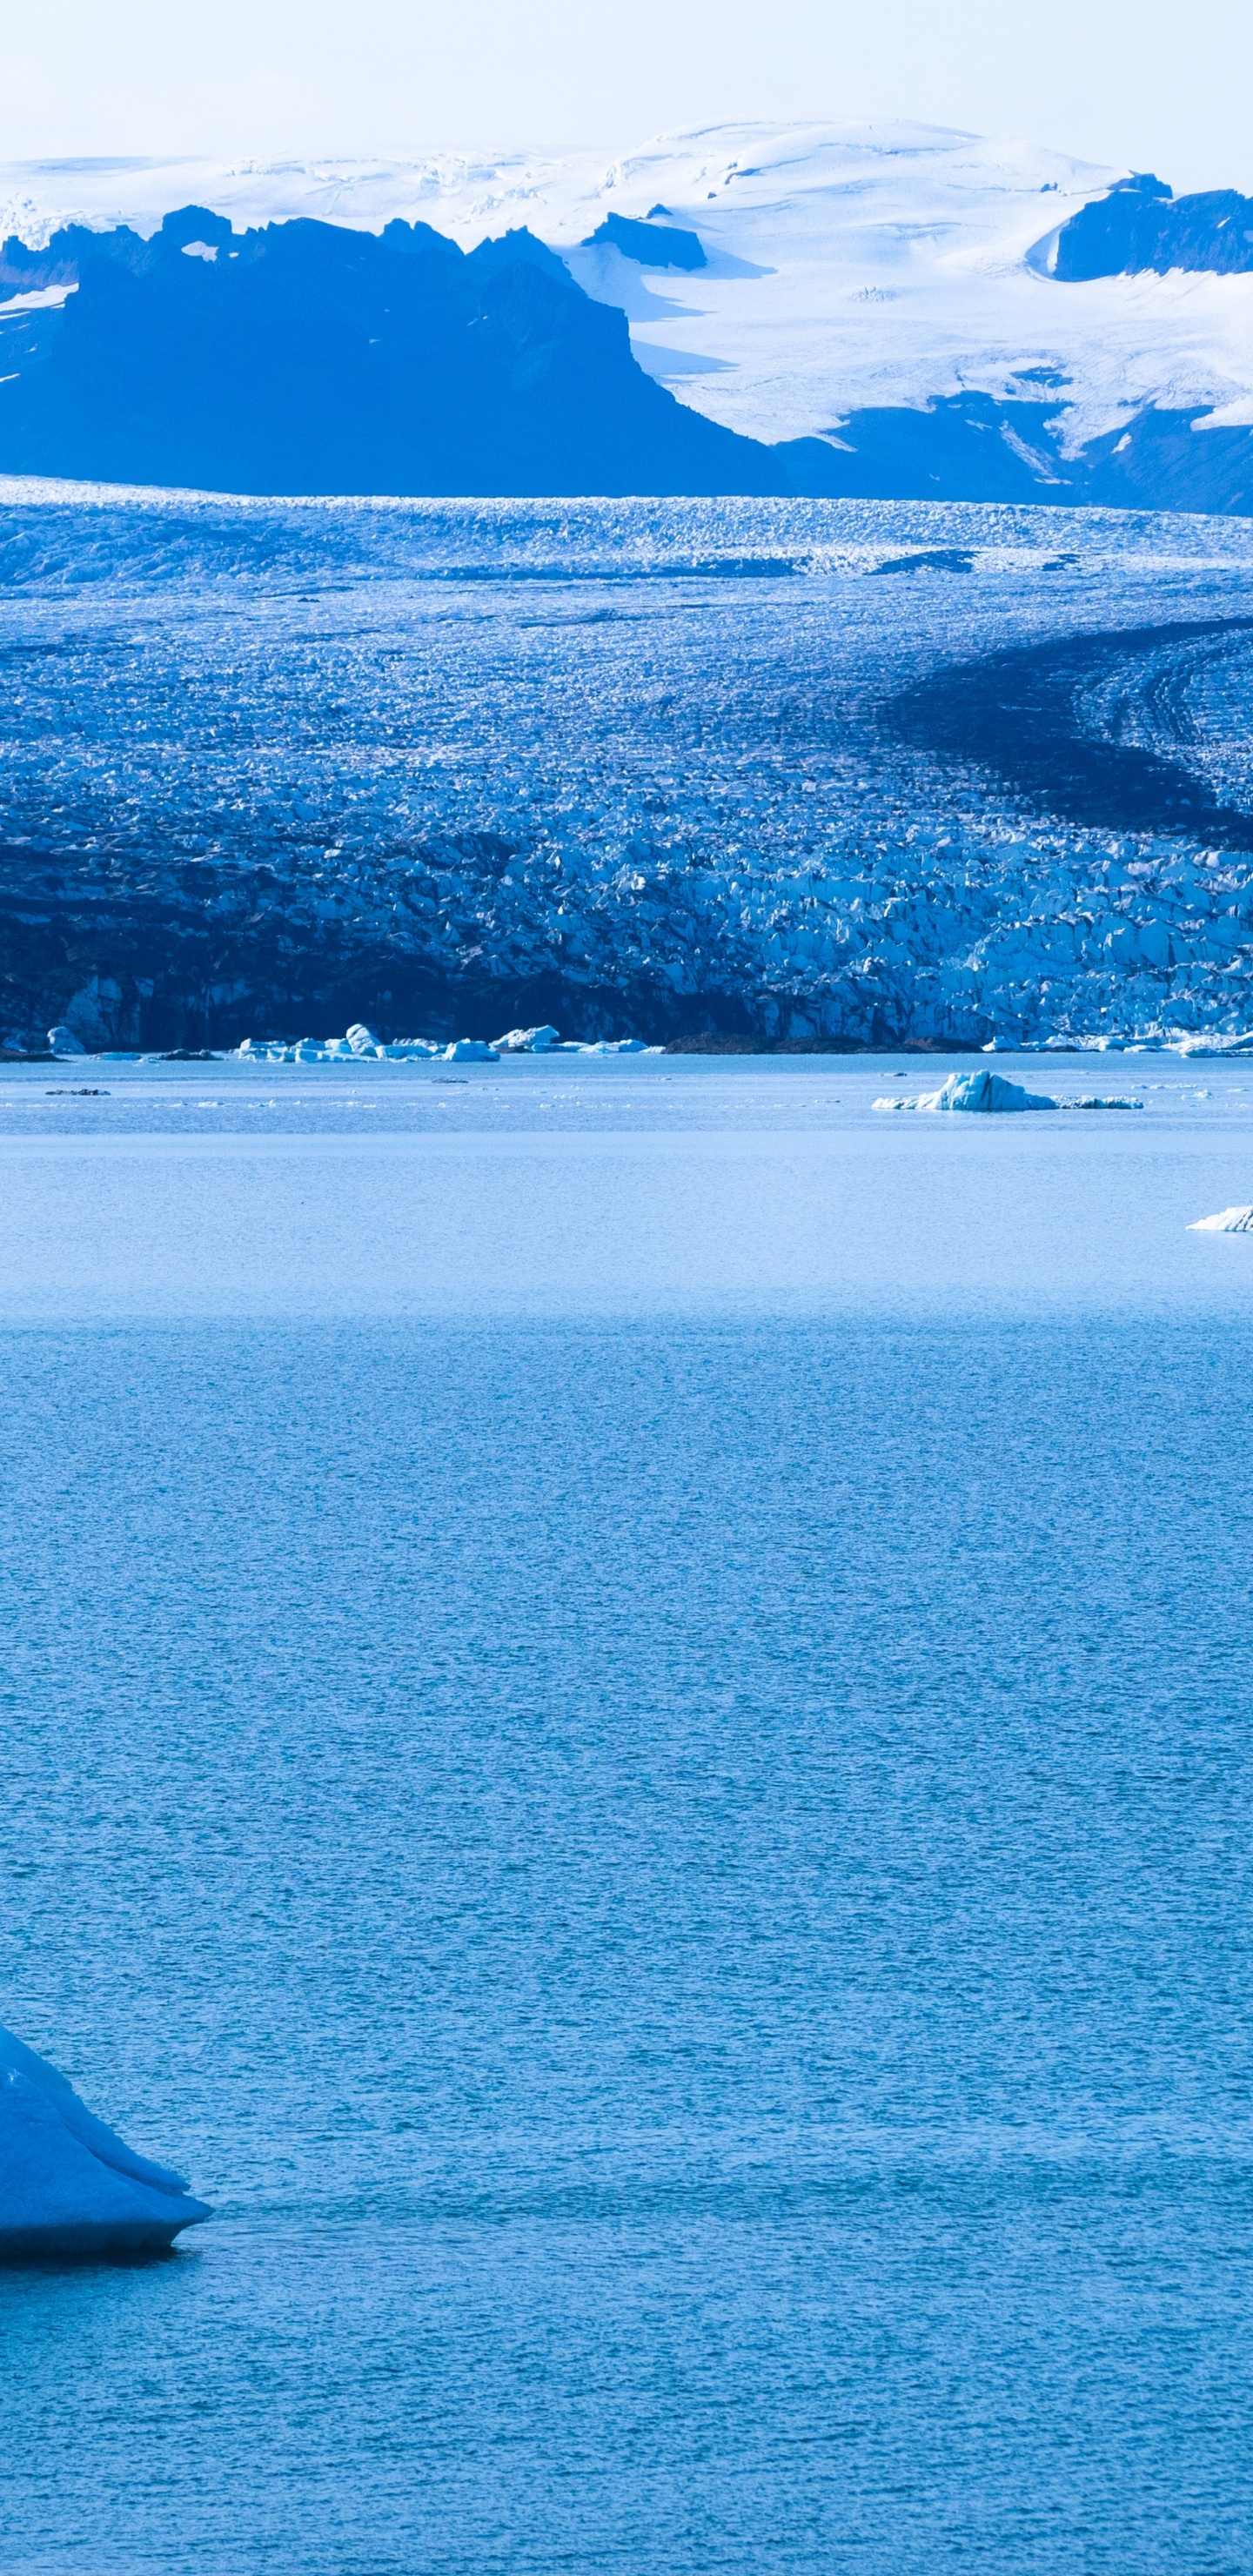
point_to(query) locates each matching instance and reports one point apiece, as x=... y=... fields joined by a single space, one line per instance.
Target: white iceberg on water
x=361 y=1045
x=984 y=1090
x=547 y=1041
x=527 y=1041
x=68 y=2184
x=1237 y=1220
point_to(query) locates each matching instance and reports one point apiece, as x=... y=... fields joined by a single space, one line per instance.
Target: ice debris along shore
x=995 y=1092
x=360 y=1043
x=68 y=2184
x=1233 y=1220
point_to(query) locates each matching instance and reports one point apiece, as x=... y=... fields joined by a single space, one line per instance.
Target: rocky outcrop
x=654 y=245
x=304 y=357
x=1141 y=225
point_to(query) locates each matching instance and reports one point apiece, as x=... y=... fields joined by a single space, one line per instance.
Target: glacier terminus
x=857 y=772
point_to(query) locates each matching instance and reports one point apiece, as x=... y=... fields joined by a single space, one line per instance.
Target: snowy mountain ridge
x=848 y=268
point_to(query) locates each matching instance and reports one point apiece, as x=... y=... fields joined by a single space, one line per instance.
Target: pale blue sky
x=1145 y=82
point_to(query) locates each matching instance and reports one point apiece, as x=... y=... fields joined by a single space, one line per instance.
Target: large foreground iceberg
x=983 y=1090
x=68 y=2185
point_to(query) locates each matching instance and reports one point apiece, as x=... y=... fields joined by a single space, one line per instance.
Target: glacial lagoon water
x=626 y=1728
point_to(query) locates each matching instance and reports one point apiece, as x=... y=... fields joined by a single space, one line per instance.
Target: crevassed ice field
x=880 y=769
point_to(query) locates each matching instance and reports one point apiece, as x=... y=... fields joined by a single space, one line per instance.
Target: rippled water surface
x=681 y=1881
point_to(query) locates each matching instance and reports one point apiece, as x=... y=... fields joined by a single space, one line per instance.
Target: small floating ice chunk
x=527 y=1041
x=1237 y=1220
x=984 y=1090
x=68 y=2184
x=470 y=1051
x=62 y=1041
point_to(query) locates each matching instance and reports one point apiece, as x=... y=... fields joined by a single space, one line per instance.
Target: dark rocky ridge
x=653 y=245
x=305 y=357
x=1142 y=225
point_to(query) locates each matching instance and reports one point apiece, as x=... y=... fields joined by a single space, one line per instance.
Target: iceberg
x=470 y=1051
x=527 y=1041
x=68 y=2184
x=359 y=1046
x=1234 y=1220
x=984 y=1090
x=62 y=1041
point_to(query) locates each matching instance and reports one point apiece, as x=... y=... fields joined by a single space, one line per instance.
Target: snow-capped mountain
x=305 y=357
x=894 y=291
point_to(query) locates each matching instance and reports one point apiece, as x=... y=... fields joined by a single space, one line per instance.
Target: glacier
x=68 y=2184
x=864 y=773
